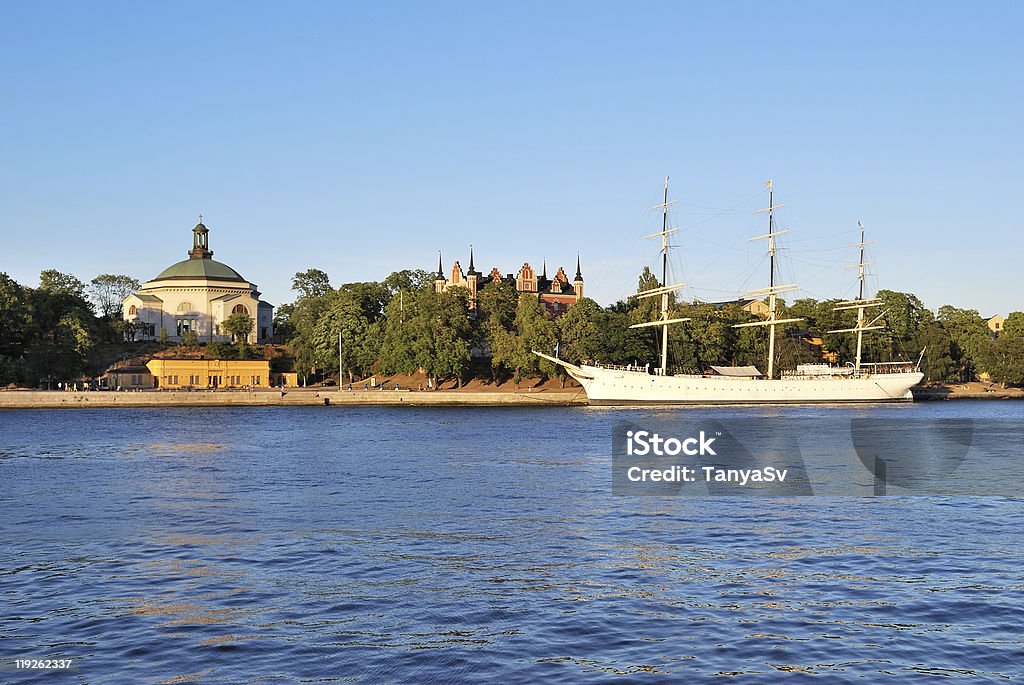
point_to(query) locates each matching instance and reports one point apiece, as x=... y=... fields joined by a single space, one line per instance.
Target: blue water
x=350 y=545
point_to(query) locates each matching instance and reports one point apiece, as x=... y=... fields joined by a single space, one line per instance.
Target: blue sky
x=362 y=138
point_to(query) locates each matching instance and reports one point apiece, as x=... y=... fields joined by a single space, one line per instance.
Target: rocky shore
x=967 y=391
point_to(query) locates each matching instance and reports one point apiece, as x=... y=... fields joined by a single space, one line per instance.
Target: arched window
x=185 y=307
x=239 y=309
x=133 y=311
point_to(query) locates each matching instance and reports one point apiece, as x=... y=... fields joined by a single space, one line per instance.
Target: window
x=185 y=325
x=263 y=333
x=185 y=307
x=133 y=311
x=240 y=309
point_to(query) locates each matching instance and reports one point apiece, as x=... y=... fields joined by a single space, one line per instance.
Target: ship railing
x=872 y=369
x=635 y=368
x=888 y=367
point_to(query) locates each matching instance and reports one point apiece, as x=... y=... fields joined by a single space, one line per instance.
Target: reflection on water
x=416 y=545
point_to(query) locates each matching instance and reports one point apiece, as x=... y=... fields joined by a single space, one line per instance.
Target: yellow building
x=755 y=307
x=210 y=373
x=285 y=379
x=131 y=376
x=995 y=324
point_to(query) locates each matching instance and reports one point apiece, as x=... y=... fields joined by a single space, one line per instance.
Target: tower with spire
x=472 y=280
x=439 y=280
x=557 y=293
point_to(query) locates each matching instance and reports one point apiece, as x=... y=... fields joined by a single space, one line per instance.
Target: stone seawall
x=41 y=399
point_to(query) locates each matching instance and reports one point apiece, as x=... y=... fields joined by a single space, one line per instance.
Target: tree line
x=51 y=331
x=400 y=325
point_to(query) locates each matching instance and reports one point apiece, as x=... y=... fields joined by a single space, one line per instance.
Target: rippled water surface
x=481 y=545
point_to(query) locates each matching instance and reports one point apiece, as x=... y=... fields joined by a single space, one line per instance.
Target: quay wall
x=42 y=399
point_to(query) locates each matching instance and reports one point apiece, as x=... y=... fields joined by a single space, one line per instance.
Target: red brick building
x=557 y=293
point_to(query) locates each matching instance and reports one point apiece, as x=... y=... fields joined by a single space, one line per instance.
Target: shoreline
x=975 y=390
x=57 y=399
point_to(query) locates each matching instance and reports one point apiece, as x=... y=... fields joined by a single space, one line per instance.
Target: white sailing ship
x=808 y=383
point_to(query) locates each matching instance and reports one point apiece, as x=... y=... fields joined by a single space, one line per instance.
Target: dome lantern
x=200 y=242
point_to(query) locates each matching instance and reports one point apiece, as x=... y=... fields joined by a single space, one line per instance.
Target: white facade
x=197 y=294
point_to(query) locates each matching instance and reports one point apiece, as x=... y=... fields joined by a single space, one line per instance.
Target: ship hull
x=625 y=387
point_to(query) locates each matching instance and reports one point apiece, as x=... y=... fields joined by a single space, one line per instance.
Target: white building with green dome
x=197 y=294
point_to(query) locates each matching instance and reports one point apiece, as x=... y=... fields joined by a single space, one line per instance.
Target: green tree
x=311 y=283
x=970 y=337
x=1005 y=359
x=408 y=280
x=108 y=291
x=314 y=299
x=621 y=344
x=55 y=282
x=15 y=331
x=579 y=332
x=904 y=315
x=345 y=315
x=495 y=318
x=14 y=317
x=1013 y=326
x=532 y=330
x=220 y=350
x=62 y=327
x=239 y=327
x=396 y=352
x=939 y=364
x=821 y=317
x=283 y=327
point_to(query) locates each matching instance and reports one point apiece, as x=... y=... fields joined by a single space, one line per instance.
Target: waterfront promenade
x=42 y=399
x=304 y=397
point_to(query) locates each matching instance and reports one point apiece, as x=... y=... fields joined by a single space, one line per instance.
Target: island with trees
x=67 y=331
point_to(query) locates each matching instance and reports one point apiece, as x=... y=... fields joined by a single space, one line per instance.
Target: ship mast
x=771 y=280
x=664 y=279
x=860 y=304
x=664 y=290
x=860 y=298
x=772 y=290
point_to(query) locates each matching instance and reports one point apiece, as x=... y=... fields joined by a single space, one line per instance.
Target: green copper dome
x=200 y=268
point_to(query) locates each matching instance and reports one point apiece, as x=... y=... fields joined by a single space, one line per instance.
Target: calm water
x=484 y=545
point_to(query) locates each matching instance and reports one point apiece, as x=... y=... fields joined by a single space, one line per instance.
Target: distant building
x=198 y=295
x=813 y=342
x=130 y=376
x=209 y=373
x=285 y=379
x=995 y=324
x=755 y=307
x=557 y=293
